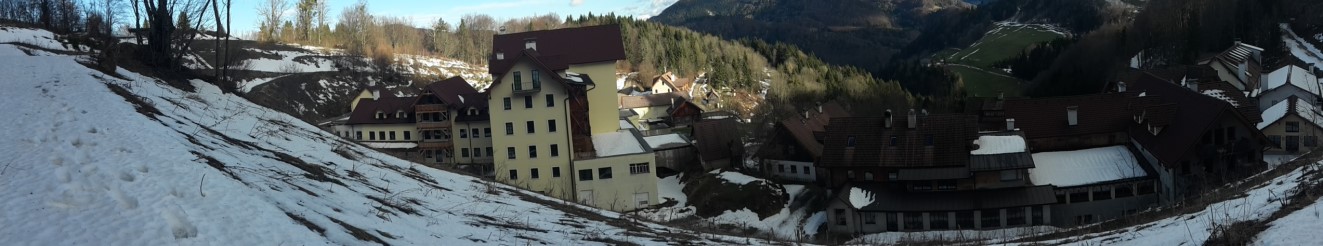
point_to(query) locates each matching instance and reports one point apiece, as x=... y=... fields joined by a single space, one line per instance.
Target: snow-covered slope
x=95 y=159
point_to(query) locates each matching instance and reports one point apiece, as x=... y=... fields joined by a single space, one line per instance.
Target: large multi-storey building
x=555 y=131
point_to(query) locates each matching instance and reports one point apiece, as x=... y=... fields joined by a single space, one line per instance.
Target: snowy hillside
x=97 y=159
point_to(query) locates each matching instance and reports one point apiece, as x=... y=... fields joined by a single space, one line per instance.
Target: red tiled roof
x=450 y=90
x=559 y=48
x=802 y=129
x=1047 y=117
x=939 y=140
x=366 y=112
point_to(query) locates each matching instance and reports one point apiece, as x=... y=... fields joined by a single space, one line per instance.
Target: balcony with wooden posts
x=427 y=125
x=429 y=108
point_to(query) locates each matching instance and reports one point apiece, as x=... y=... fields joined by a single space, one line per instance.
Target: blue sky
x=424 y=12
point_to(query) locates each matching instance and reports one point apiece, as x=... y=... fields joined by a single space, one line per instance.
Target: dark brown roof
x=367 y=109
x=1208 y=83
x=933 y=173
x=717 y=139
x=802 y=129
x=939 y=140
x=1006 y=161
x=1193 y=114
x=559 y=48
x=1242 y=53
x=650 y=100
x=450 y=91
x=1047 y=117
x=893 y=200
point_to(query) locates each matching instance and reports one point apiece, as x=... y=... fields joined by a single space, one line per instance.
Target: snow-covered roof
x=859 y=198
x=992 y=145
x=390 y=145
x=617 y=143
x=1083 y=167
x=624 y=124
x=737 y=178
x=1293 y=75
x=665 y=141
x=1281 y=109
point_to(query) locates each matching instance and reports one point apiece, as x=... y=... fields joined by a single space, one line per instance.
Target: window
x=463 y=152
x=1146 y=188
x=555 y=150
x=555 y=172
x=514 y=174
x=509 y=128
x=358 y=135
x=1015 y=216
x=532 y=151
x=1037 y=213
x=806 y=170
x=406 y=135
x=642 y=198
x=849 y=141
x=991 y=218
x=1079 y=197
x=849 y=174
x=372 y=135
x=913 y=221
x=604 y=173
x=1010 y=175
x=794 y=170
x=1099 y=195
x=490 y=152
x=1311 y=141
x=938 y=221
x=870 y=218
x=928 y=140
x=551 y=125
x=586 y=175
x=518 y=81
x=487 y=132
x=639 y=168
x=475 y=133
x=965 y=219
x=509 y=153
x=533 y=174
x=1125 y=191
x=868 y=175
x=1275 y=139
x=946 y=184
x=893 y=176
x=392 y=135
x=1292 y=126
x=463 y=133
x=529 y=125
x=840 y=216
x=507 y=103
x=477 y=152
x=537 y=80
x=551 y=101
x=781 y=168
x=528 y=101
x=895 y=140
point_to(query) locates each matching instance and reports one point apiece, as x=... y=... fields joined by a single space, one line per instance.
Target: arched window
x=868 y=175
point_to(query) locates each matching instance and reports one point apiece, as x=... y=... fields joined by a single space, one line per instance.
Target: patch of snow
x=992 y=145
x=1293 y=75
x=986 y=236
x=1274 y=113
x=1298 y=228
x=616 y=143
x=860 y=198
x=1221 y=95
x=737 y=178
x=665 y=141
x=1086 y=166
x=1300 y=48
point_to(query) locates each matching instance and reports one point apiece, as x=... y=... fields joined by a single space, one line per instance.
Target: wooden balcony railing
x=433 y=124
x=427 y=108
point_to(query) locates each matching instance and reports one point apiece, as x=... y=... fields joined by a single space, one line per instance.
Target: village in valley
x=665 y=122
x=1156 y=137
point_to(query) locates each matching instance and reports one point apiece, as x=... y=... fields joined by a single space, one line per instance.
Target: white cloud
x=576 y=3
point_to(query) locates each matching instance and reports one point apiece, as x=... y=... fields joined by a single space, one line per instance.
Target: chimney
x=819 y=107
x=806 y=114
x=1073 y=115
x=888 y=118
x=914 y=119
x=1010 y=124
x=1120 y=86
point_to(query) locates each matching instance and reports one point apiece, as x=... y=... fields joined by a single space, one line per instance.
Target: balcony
x=422 y=125
x=435 y=144
x=429 y=108
x=527 y=87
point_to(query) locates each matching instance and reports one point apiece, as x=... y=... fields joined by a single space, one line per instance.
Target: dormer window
x=473 y=111
x=530 y=44
x=381 y=115
x=500 y=55
x=400 y=114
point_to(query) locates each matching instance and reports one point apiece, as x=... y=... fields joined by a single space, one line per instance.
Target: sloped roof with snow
x=1291 y=106
x=1086 y=166
x=666 y=141
x=1292 y=75
x=992 y=145
x=623 y=142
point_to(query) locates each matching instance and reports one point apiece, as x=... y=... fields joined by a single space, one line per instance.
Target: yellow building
x=551 y=120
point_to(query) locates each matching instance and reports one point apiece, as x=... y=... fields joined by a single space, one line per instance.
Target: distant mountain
x=837 y=31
